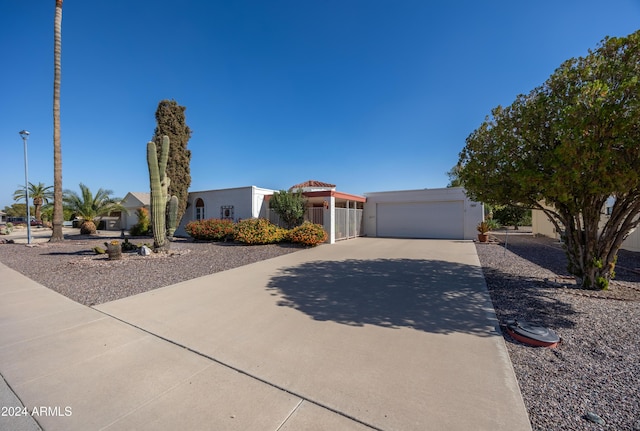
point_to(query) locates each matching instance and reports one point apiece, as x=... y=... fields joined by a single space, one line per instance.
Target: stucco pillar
x=329 y=217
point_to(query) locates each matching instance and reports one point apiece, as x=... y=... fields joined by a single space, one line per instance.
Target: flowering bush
x=144 y=224
x=308 y=234
x=210 y=230
x=258 y=231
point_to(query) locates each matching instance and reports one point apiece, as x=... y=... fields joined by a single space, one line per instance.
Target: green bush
x=512 y=216
x=258 y=231
x=128 y=246
x=210 y=229
x=290 y=206
x=142 y=227
x=308 y=234
x=7 y=229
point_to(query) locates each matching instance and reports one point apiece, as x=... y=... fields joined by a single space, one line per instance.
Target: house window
x=199 y=209
x=226 y=212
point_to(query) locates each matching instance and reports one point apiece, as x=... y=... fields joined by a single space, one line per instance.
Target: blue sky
x=369 y=95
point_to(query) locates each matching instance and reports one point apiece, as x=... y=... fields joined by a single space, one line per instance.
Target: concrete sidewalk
x=365 y=334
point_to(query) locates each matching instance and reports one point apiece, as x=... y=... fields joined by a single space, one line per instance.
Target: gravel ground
x=596 y=368
x=74 y=270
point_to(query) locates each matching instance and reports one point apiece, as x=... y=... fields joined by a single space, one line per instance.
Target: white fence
x=348 y=223
x=314 y=215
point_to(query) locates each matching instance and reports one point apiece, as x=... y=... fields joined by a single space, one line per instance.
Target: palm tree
x=58 y=215
x=88 y=207
x=40 y=195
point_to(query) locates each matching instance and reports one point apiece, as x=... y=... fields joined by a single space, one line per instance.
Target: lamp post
x=25 y=135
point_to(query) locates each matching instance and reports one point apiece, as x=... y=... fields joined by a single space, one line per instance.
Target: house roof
x=312 y=183
x=142 y=197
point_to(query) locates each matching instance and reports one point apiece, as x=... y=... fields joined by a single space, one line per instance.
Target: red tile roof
x=312 y=183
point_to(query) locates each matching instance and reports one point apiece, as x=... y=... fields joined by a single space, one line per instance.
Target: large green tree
x=565 y=148
x=58 y=214
x=88 y=206
x=170 y=121
x=16 y=210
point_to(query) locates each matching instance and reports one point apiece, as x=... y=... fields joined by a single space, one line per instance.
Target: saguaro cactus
x=159 y=194
x=172 y=216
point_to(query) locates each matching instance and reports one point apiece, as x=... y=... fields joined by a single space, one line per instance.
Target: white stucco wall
x=247 y=202
x=473 y=212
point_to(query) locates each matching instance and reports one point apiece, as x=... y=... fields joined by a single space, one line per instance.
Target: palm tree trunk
x=37 y=204
x=58 y=214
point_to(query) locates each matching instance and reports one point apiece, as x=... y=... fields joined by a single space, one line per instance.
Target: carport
x=445 y=213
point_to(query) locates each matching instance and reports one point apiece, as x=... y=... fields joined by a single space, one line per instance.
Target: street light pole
x=25 y=135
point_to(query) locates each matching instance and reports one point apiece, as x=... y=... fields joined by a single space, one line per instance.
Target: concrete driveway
x=370 y=333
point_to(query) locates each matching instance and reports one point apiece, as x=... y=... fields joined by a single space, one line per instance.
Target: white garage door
x=443 y=219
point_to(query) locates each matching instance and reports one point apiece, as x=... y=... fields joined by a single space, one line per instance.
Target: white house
x=131 y=203
x=428 y=213
x=232 y=204
x=445 y=213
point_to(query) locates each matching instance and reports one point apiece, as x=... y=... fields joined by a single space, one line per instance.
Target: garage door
x=444 y=219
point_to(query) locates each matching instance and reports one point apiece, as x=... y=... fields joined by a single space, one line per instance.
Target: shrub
x=7 y=229
x=210 y=229
x=308 y=234
x=143 y=225
x=258 y=231
x=512 y=216
x=128 y=246
x=290 y=206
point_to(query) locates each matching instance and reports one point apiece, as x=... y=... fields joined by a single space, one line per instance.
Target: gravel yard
x=596 y=368
x=74 y=270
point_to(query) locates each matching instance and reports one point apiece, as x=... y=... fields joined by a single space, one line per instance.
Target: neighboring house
x=445 y=213
x=232 y=204
x=3 y=217
x=541 y=225
x=131 y=203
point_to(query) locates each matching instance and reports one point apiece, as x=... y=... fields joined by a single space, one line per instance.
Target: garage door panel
x=443 y=219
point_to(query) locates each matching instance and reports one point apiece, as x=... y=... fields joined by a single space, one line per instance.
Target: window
x=199 y=209
x=226 y=212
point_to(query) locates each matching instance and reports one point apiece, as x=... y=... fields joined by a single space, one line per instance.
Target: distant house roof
x=142 y=197
x=313 y=184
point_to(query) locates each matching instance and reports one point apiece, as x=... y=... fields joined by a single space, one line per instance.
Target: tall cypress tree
x=170 y=121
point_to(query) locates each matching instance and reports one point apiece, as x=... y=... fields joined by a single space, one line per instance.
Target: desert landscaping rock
x=596 y=367
x=73 y=269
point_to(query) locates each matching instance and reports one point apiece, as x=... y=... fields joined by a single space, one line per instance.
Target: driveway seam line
x=238 y=370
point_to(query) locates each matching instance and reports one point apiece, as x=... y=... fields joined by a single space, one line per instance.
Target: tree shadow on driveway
x=428 y=295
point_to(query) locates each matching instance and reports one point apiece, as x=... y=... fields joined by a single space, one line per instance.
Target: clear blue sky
x=370 y=95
